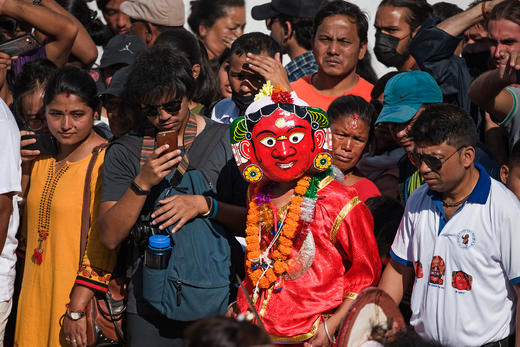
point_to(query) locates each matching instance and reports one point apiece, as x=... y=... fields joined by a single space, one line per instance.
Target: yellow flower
x=323 y=161
x=267 y=90
x=252 y=173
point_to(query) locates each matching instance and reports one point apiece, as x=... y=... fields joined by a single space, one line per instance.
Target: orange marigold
x=289 y=232
x=271 y=276
x=264 y=283
x=251 y=247
x=300 y=190
x=278 y=255
x=252 y=239
x=284 y=250
x=253 y=255
x=280 y=267
x=285 y=241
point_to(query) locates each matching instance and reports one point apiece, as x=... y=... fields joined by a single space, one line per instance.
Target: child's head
x=510 y=173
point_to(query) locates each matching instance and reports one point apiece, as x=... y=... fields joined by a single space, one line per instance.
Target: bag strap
x=85 y=210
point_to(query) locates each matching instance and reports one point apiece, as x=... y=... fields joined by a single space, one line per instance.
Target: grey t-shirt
x=122 y=166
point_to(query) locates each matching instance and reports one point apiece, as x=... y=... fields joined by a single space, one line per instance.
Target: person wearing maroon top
x=351 y=119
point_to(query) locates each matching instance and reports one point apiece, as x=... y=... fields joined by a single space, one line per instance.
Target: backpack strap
x=85 y=210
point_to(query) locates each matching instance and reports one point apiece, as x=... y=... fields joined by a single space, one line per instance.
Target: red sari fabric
x=346 y=260
x=366 y=189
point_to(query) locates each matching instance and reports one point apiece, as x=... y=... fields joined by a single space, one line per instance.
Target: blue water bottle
x=157 y=254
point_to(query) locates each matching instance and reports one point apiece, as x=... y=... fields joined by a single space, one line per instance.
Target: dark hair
x=158 y=72
x=365 y=70
x=475 y=3
x=101 y=4
x=350 y=105
x=418 y=11
x=380 y=84
x=225 y=332
x=387 y=213
x=445 y=10
x=302 y=29
x=255 y=43
x=99 y=32
x=440 y=123
x=73 y=80
x=206 y=12
x=339 y=7
x=186 y=44
x=34 y=74
x=514 y=156
x=509 y=10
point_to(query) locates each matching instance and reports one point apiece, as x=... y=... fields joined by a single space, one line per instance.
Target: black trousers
x=154 y=330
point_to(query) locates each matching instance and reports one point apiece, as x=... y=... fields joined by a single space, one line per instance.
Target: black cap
x=118 y=83
x=290 y=8
x=121 y=49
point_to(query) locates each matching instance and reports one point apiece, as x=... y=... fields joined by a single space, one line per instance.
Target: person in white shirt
x=10 y=185
x=456 y=240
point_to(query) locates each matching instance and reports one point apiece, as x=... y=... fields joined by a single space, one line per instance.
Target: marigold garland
x=263 y=275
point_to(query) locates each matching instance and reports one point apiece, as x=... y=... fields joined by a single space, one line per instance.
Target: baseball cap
x=118 y=82
x=405 y=93
x=121 y=49
x=159 y=12
x=291 y=8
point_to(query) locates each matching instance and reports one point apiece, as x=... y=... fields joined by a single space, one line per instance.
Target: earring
x=253 y=173
x=322 y=161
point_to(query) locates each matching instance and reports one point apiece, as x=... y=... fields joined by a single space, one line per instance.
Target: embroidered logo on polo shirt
x=466 y=238
x=461 y=280
x=437 y=270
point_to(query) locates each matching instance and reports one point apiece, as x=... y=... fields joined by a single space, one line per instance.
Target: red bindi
x=67 y=94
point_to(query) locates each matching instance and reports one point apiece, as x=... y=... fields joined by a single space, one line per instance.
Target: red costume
x=346 y=260
x=302 y=262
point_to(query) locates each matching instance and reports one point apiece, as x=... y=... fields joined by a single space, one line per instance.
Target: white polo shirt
x=10 y=176
x=465 y=267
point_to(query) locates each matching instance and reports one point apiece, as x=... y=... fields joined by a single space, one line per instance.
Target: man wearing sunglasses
x=460 y=229
x=405 y=97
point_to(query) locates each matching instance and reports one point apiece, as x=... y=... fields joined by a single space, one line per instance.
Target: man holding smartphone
x=10 y=176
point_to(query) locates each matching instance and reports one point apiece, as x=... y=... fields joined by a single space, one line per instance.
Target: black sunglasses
x=171 y=107
x=433 y=163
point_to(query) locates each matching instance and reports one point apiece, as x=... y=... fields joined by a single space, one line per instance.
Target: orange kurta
x=54 y=203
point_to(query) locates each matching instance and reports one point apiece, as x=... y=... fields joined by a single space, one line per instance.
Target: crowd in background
x=432 y=149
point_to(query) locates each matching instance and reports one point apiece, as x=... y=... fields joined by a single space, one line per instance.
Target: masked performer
x=310 y=243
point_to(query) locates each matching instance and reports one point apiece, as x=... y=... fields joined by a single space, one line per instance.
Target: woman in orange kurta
x=55 y=288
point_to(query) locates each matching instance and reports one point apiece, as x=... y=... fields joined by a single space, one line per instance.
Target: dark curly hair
x=158 y=72
x=99 y=32
x=255 y=43
x=302 y=29
x=418 y=11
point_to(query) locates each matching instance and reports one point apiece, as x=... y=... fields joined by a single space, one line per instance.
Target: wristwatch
x=138 y=190
x=74 y=315
x=37 y=2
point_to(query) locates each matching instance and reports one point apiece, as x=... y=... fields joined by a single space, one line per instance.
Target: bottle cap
x=159 y=242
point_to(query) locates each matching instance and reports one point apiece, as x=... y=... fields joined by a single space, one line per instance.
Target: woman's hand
x=179 y=209
x=27 y=155
x=75 y=331
x=157 y=166
x=270 y=69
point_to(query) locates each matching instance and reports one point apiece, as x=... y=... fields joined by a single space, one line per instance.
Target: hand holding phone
x=167 y=137
x=44 y=143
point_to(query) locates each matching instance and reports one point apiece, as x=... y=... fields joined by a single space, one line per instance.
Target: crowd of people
x=229 y=200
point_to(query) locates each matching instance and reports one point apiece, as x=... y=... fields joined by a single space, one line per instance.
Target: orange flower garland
x=255 y=267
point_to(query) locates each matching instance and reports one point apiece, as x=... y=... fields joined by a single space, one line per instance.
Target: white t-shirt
x=10 y=181
x=225 y=111
x=465 y=268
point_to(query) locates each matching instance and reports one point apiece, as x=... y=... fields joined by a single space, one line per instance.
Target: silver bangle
x=331 y=339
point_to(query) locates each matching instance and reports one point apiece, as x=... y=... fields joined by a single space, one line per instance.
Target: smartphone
x=167 y=137
x=20 y=45
x=45 y=143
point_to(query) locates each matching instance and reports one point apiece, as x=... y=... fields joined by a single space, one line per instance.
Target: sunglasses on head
x=433 y=163
x=171 y=107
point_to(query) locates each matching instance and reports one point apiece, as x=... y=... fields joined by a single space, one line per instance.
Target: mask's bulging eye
x=296 y=137
x=268 y=141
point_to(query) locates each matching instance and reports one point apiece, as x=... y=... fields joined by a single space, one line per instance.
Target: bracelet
x=208 y=213
x=483 y=8
x=215 y=209
x=331 y=339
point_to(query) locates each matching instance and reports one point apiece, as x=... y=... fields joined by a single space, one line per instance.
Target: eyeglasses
x=152 y=111
x=433 y=163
